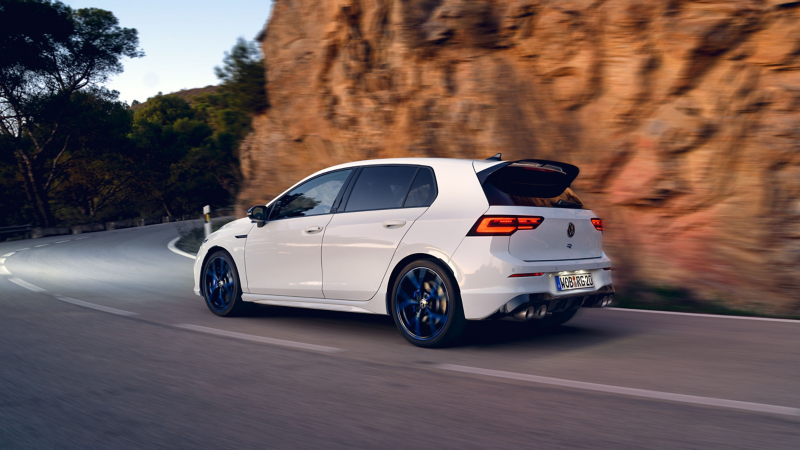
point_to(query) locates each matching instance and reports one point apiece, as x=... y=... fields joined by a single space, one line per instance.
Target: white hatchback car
x=433 y=242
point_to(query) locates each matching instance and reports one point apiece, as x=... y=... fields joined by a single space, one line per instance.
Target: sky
x=182 y=40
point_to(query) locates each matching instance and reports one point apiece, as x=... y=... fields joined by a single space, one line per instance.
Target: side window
x=312 y=198
x=423 y=190
x=380 y=187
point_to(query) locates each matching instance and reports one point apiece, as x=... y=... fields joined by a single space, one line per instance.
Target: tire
x=219 y=283
x=426 y=305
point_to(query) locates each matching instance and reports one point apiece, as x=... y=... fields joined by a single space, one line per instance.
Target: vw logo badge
x=571 y=229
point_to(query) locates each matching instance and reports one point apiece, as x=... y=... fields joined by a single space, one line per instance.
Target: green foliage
x=243 y=78
x=168 y=137
x=50 y=55
x=71 y=152
x=98 y=172
x=14 y=205
x=189 y=154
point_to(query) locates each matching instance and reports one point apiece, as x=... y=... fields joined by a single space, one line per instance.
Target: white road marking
x=61 y=242
x=21 y=250
x=9 y=254
x=4 y=271
x=173 y=249
x=680 y=398
x=85 y=237
x=26 y=285
x=265 y=340
x=712 y=316
x=43 y=245
x=2 y=261
x=94 y=306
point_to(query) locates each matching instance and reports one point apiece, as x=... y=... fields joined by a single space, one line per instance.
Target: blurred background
x=684 y=118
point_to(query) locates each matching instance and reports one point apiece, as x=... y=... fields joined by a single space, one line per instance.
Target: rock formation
x=683 y=116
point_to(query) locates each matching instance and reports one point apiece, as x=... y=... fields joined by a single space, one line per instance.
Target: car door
x=360 y=240
x=283 y=257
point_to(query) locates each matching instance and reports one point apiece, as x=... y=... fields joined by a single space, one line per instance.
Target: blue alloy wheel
x=422 y=303
x=220 y=284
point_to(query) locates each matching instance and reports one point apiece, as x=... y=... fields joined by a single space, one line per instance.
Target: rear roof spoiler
x=571 y=172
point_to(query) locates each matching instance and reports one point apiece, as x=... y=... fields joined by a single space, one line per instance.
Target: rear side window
x=533 y=183
x=423 y=190
x=380 y=187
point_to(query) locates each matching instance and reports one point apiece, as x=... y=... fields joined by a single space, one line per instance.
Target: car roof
x=432 y=162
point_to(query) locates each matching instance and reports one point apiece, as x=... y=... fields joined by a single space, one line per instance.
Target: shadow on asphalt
x=489 y=333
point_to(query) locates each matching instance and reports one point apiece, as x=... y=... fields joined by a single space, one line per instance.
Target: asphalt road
x=104 y=345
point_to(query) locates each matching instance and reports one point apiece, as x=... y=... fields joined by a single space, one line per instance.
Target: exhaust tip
x=530 y=313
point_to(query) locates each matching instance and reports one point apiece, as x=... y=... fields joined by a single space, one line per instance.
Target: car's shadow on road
x=479 y=334
x=502 y=333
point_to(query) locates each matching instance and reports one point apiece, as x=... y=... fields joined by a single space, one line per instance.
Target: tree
x=170 y=141
x=101 y=167
x=14 y=208
x=243 y=78
x=229 y=112
x=50 y=53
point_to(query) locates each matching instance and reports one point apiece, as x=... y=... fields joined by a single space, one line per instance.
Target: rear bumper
x=482 y=266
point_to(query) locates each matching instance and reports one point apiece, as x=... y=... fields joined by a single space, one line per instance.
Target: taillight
x=598 y=224
x=504 y=225
x=519 y=275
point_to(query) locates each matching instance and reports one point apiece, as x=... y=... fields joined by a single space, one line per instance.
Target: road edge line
x=173 y=249
x=713 y=316
x=254 y=338
x=26 y=285
x=108 y=309
x=631 y=392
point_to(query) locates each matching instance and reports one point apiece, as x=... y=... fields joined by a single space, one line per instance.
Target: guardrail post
x=207 y=219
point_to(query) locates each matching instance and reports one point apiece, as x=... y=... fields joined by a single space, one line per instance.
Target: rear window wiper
x=565 y=204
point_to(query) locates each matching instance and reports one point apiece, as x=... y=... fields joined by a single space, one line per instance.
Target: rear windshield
x=531 y=184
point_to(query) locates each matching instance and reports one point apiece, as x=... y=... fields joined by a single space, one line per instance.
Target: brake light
x=517 y=275
x=598 y=224
x=504 y=225
x=528 y=223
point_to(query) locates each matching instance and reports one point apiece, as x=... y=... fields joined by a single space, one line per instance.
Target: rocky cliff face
x=683 y=116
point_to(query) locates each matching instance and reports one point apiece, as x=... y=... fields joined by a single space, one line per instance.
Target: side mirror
x=258 y=215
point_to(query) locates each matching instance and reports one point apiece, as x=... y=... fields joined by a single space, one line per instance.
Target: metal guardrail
x=32 y=232
x=16 y=229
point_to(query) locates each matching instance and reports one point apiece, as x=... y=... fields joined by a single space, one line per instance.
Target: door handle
x=314 y=229
x=394 y=223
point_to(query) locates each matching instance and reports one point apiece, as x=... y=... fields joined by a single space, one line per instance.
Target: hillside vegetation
x=71 y=152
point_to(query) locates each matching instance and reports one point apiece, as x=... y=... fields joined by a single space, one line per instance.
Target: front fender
x=230 y=239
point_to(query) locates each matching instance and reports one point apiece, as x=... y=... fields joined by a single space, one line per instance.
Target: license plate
x=574 y=281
